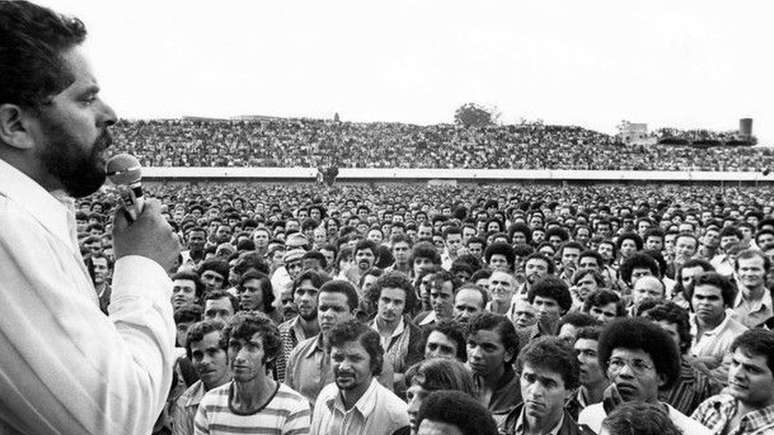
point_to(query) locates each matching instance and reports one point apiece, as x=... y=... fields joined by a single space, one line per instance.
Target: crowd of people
x=279 y=142
x=486 y=309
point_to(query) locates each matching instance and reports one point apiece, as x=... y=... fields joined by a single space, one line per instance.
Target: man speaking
x=64 y=366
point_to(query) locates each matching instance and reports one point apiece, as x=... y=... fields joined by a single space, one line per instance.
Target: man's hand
x=611 y=398
x=149 y=236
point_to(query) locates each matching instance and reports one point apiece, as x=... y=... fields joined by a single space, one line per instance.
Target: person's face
x=438 y=242
x=502 y=286
x=543 y=392
x=247 y=358
x=524 y=314
x=441 y=299
x=392 y=302
x=570 y=257
x=261 y=239
x=750 y=380
x=425 y=232
x=535 y=222
x=727 y=241
x=196 y=240
x=223 y=234
x=329 y=256
x=590 y=372
x=499 y=262
x=292 y=226
x=486 y=353
x=535 y=269
x=251 y=295
x=210 y=361
x=606 y=251
x=538 y=236
x=305 y=298
x=402 y=252
x=71 y=133
x=467 y=233
x=375 y=236
x=332 y=309
x=432 y=427
x=453 y=243
x=212 y=280
x=669 y=242
x=654 y=243
x=519 y=238
x=647 y=287
x=415 y=396
x=293 y=268
x=548 y=309
x=604 y=313
x=586 y=263
x=582 y=236
x=101 y=270
x=351 y=366
x=604 y=230
x=711 y=238
x=439 y=345
x=365 y=259
x=181 y=332
x=671 y=330
x=183 y=292
x=218 y=309
x=751 y=272
x=586 y=285
x=467 y=303
x=628 y=247
x=707 y=303
x=634 y=375
x=685 y=247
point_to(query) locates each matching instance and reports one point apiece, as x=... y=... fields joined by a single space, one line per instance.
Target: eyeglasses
x=638 y=366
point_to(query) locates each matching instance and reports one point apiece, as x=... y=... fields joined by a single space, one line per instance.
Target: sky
x=685 y=64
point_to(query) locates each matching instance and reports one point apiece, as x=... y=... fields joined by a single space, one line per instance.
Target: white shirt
x=377 y=412
x=65 y=367
x=593 y=415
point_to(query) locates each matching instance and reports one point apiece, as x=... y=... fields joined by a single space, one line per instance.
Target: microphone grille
x=123 y=169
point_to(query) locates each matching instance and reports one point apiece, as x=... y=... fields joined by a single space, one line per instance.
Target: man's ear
x=13 y=128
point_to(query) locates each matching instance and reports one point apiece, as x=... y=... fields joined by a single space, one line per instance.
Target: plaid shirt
x=717 y=411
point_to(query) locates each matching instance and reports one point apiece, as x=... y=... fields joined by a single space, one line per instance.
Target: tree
x=475 y=115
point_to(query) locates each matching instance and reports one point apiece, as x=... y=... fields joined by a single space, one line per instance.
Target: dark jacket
x=569 y=426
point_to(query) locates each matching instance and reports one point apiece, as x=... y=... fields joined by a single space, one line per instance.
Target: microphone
x=124 y=171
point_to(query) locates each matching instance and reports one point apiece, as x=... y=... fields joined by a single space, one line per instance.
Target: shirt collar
x=365 y=405
x=764 y=302
x=50 y=209
x=520 y=424
x=317 y=345
x=196 y=394
x=430 y=318
x=398 y=329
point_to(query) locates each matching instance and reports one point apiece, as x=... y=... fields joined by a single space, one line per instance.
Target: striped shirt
x=717 y=412
x=287 y=413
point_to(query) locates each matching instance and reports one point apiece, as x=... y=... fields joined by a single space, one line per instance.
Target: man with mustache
x=639 y=359
x=65 y=366
x=356 y=403
x=366 y=256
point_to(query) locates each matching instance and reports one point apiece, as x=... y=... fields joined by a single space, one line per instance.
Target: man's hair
x=595 y=254
x=629 y=236
x=520 y=228
x=731 y=231
x=500 y=324
x=553 y=288
x=267 y=290
x=400 y=237
x=354 y=330
x=553 y=354
x=366 y=244
x=500 y=248
x=758 y=342
x=317 y=278
x=220 y=294
x=753 y=253
x=672 y=313
x=602 y=297
x=641 y=334
x=539 y=256
x=693 y=262
x=32 y=40
x=396 y=280
x=451 y=329
x=343 y=287
x=316 y=255
x=653 y=232
x=727 y=287
x=188 y=313
x=638 y=260
x=598 y=278
x=589 y=333
x=191 y=276
x=425 y=250
x=640 y=418
x=577 y=319
x=198 y=330
x=442 y=374
x=245 y=324
x=557 y=231
x=457 y=409
x=216 y=265
x=451 y=230
x=250 y=260
x=473 y=287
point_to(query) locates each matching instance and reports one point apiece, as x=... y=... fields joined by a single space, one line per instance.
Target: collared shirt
x=753 y=313
x=309 y=369
x=291 y=333
x=691 y=388
x=396 y=346
x=506 y=395
x=717 y=412
x=429 y=319
x=716 y=343
x=519 y=430
x=377 y=412
x=65 y=367
x=185 y=409
x=594 y=414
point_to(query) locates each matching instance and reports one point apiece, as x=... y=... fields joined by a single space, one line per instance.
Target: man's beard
x=79 y=172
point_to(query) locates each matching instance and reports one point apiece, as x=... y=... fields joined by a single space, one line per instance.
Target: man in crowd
x=445 y=339
x=747 y=405
x=469 y=300
x=220 y=305
x=753 y=304
x=211 y=364
x=454 y=413
x=640 y=359
x=252 y=401
x=592 y=379
x=356 y=402
x=400 y=246
x=65 y=366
